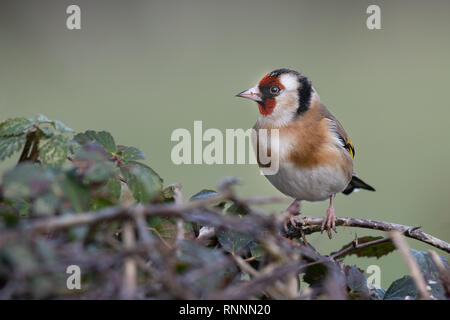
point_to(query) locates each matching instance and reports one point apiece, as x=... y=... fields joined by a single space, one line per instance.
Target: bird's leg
x=293 y=210
x=330 y=219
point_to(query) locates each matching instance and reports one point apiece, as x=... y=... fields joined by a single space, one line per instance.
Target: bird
x=314 y=151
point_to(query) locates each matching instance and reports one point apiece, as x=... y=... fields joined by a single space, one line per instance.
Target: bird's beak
x=252 y=94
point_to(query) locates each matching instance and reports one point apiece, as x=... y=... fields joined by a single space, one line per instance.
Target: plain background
x=141 y=69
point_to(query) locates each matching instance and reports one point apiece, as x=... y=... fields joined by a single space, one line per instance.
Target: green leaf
x=356 y=283
x=315 y=274
x=93 y=165
x=10 y=145
x=427 y=265
x=377 y=250
x=237 y=210
x=144 y=183
x=14 y=127
x=53 y=150
x=46 y=205
x=42 y=118
x=165 y=227
x=61 y=127
x=168 y=193
x=194 y=256
x=232 y=241
x=21 y=257
x=26 y=180
x=404 y=287
x=430 y=272
x=400 y=289
x=9 y=214
x=132 y=153
x=377 y=293
x=99 y=172
x=98 y=203
x=75 y=193
x=104 y=138
x=114 y=187
x=256 y=250
x=206 y=193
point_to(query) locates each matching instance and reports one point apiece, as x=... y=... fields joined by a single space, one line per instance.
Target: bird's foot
x=329 y=222
x=292 y=210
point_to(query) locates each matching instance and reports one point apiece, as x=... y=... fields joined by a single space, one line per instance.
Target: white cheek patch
x=289 y=81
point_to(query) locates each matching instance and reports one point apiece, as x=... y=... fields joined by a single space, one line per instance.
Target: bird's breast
x=312 y=184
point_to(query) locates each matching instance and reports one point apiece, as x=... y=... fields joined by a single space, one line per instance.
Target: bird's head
x=281 y=94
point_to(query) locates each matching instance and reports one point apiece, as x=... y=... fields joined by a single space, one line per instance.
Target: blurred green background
x=141 y=69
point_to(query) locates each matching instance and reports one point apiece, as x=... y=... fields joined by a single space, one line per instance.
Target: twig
x=180 y=224
x=444 y=273
x=199 y=211
x=273 y=291
x=27 y=146
x=312 y=224
x=355 y=245
x=413 y=268
x=130 y=272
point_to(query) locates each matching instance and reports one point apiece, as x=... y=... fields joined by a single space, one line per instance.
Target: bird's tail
x=355 y=184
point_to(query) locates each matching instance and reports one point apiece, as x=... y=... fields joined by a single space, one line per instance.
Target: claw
x=293 y=210
x=285 y=226
x=292 y=221
x=330 y=220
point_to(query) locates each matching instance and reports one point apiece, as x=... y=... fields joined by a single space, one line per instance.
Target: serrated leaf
x=132 y=154
x=232 y=241
x=10 y=145
x=377 y=250
x=53 y=150
x=144 y=183
x=61 y=127
x=104 y=138
x=42 y=118
x=14 y=127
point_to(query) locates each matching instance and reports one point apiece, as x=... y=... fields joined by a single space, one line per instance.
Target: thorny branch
x=150 y=253
x=309 y=225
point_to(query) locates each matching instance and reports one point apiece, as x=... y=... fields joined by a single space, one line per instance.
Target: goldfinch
x=315 y=153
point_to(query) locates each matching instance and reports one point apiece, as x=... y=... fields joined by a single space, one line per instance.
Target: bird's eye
x=274 y=90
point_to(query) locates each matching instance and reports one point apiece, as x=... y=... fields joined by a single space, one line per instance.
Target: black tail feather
x=356 y=183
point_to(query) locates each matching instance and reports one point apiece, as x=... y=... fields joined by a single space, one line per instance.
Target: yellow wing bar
x=349 y=147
